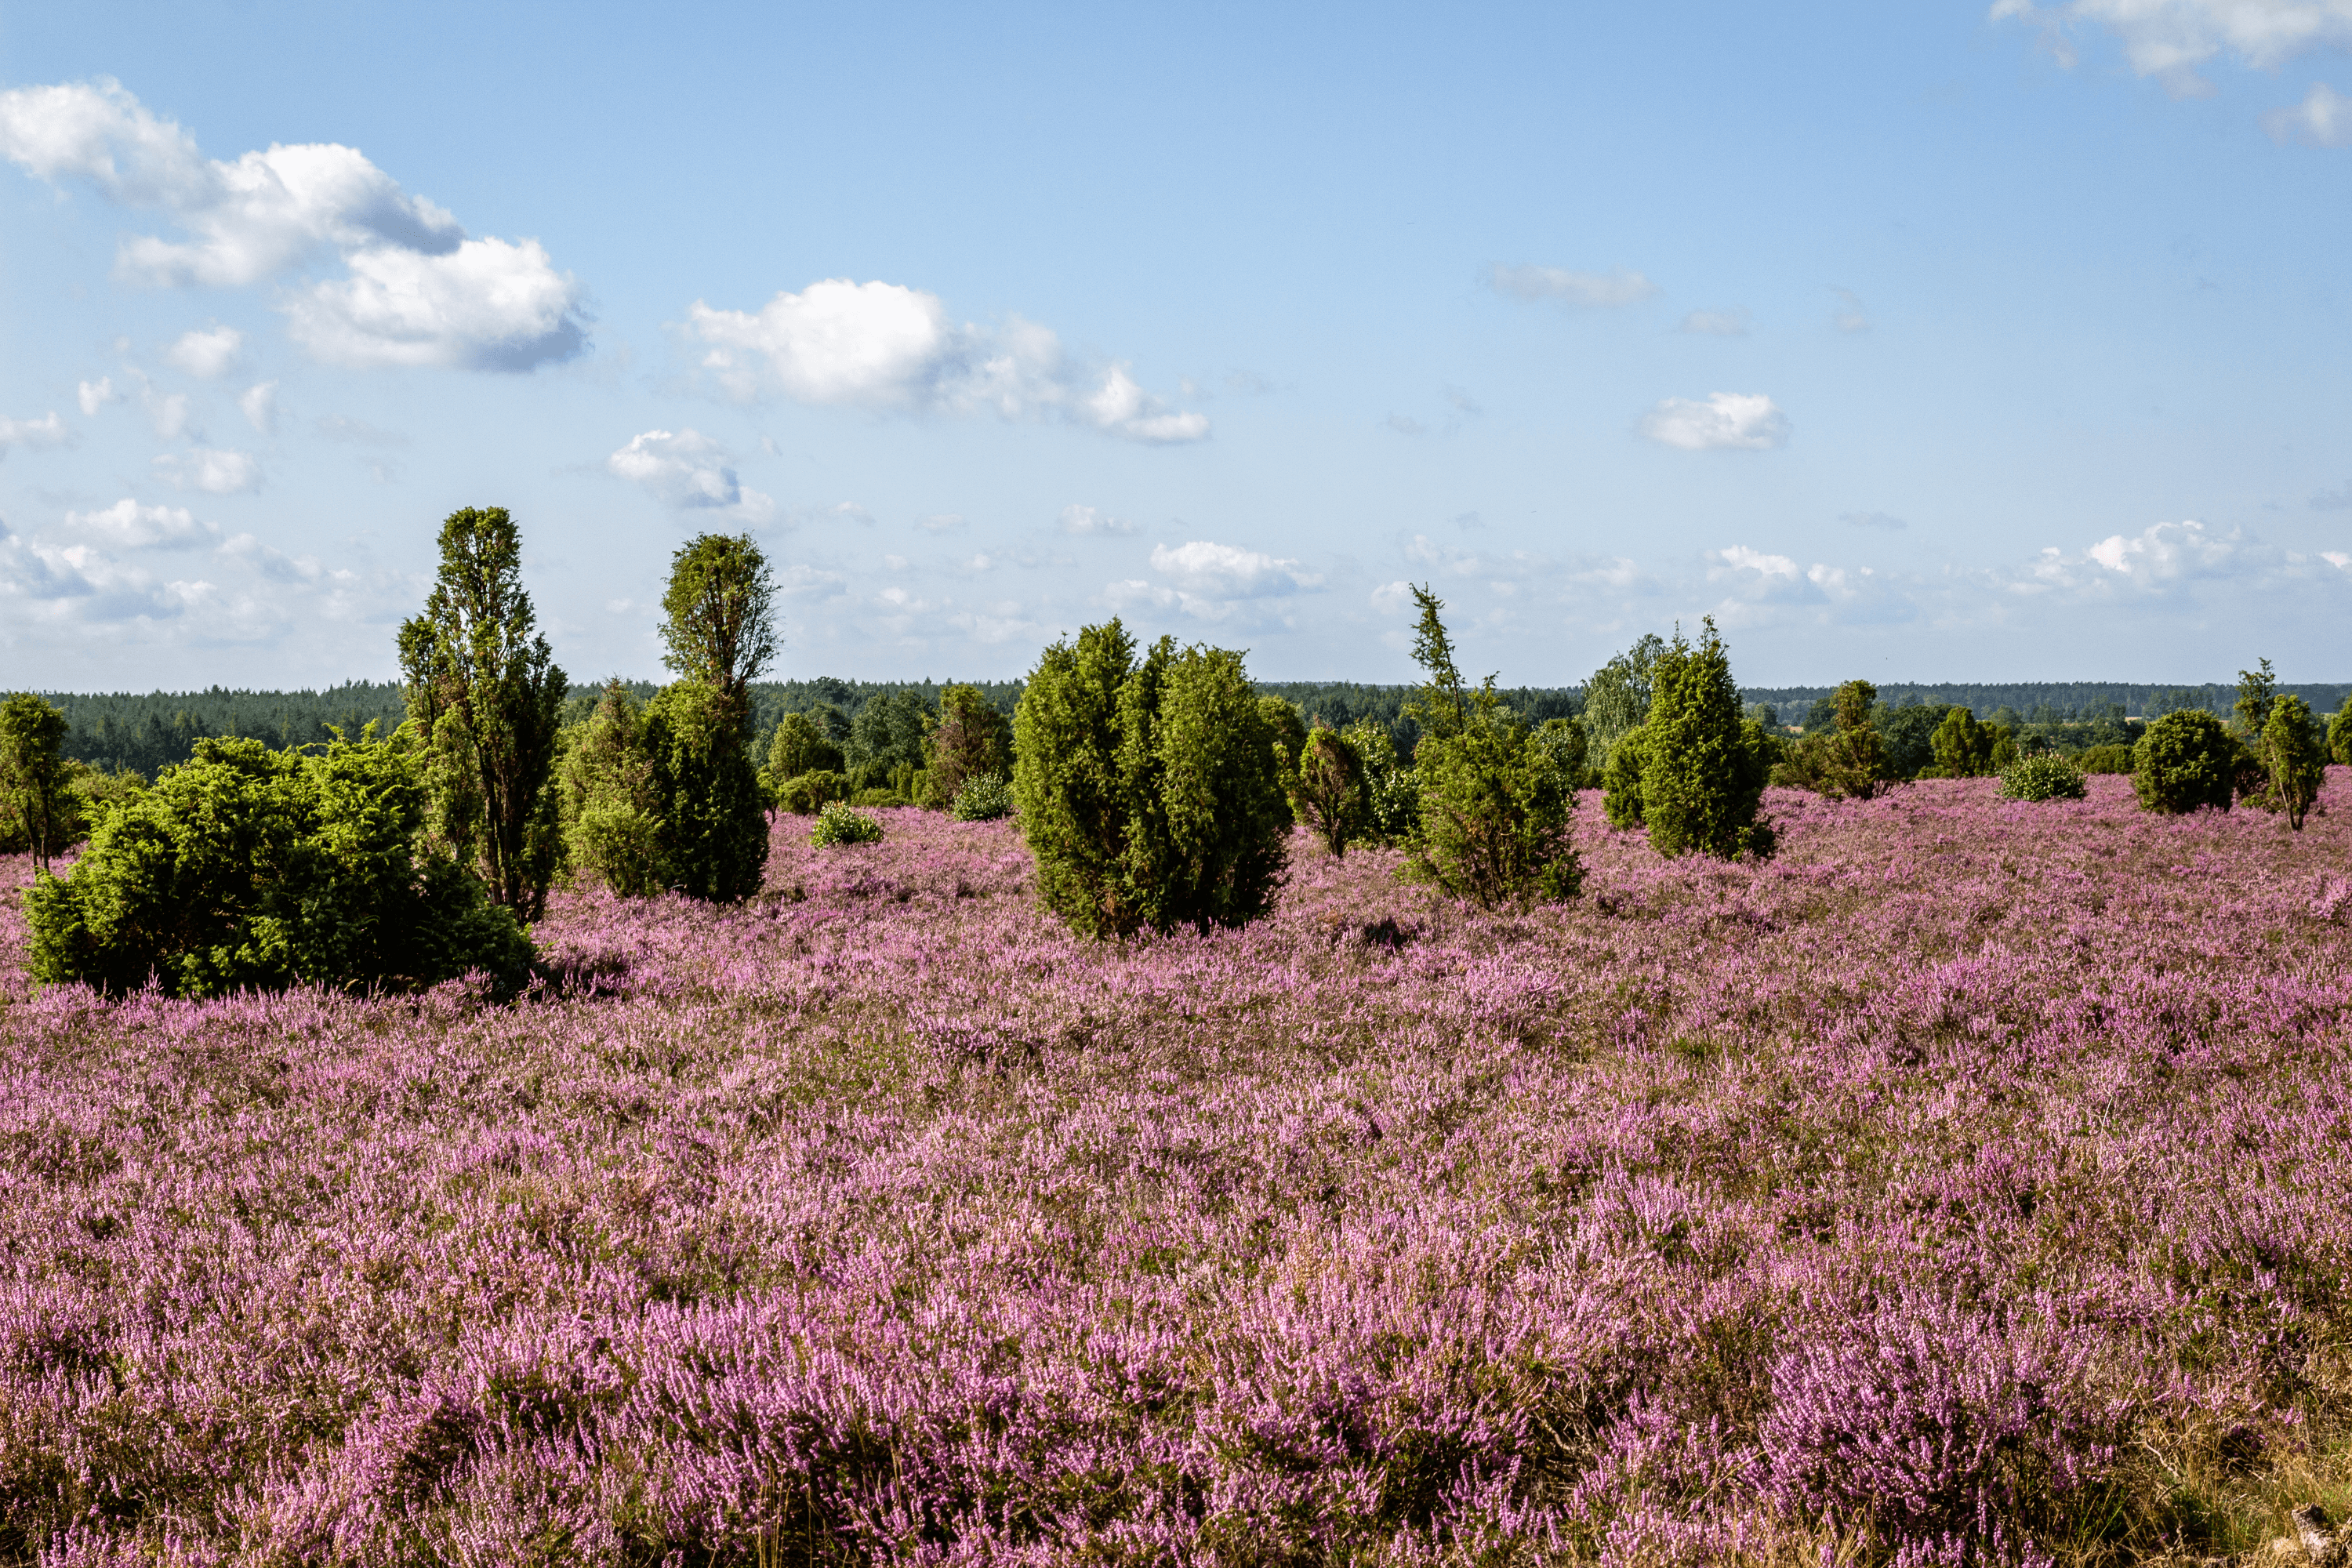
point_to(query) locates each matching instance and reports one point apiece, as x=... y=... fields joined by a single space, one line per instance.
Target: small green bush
x=2108 y=759
x=246 y=868
x=1495 y=815
x=796 y=746
x=1963 y=748
x=983 y=798
x=839 y=823
x=2339 y=734
x=1621 y=779
x=972 y=738
x=874 y=797
x=2186 y=760
x=812 y=791
x=1326 y=788
x=610 y=814
x=2291 y=748
x=2044 y=776
x=1392 y=806
x=1289 y=726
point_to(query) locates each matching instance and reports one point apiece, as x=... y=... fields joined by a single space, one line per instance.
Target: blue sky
x=1932 y=342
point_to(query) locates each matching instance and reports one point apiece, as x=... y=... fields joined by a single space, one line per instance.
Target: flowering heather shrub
x=2045 y=775
x=840 y=823
x=985 y=798
x=1965 y=1183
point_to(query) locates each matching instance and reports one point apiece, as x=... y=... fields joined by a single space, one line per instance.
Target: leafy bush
x=2291 y=751
x=1850 y=761
x=973 y=740
x=1621 y=779
x=1564 y=741
x=1147 y=789
x=713 y=834
x=888 y=732
x=247 y=867
x=796 y=746
x=1327 y=789
x=1963 y=748
x=1289 y=726
x=1703 y=764
x=812 y=791
x=37 y=811
x=2044 y=776
x=2339 y=734
x=1391 y=802
x=2109 y=759
x=2186 y=760
x=839 y=823
x=1617 y=699
x=985 y=798
x=873 y=797
x=1908 y=735
x=611 y=808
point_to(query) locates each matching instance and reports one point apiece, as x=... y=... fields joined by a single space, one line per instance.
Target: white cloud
x=1739 y=557
x=260 y=406
x=1617 y=286
x=1731 y=323
x=2164 y=553
x=1210 y=580
x=418 y=291
x=2338 y=559
x=127 y=525
x=1849 y=316
x=46 y=432
x=207 y=354
x=940 y=522
x=2324 y=119
x=168 y=413
x=886 y=346
x=96 y=394
x=219 y=473
x=2170 y=40
x=1734 y=420
x=1085 y=521
x=688 y=470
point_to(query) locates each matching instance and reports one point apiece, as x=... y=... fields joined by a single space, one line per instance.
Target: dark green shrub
x=1962 y=747
x=37 y=810
x=983 y=798
x=2109 y=759
x=1327 y=790
x=873 y=797
x=486 y=700
x=841 y=823
x=1703 y=764
x=2339 y=734
x=812 y=791
x=2045 y=775
x=887 y=733
x=1621 y=779
x=1495 y=804
x=611 y=806
x=2296 y=764
x=247 y=867
x=798 y=746
x=1147 y=788
x=713 y=837
x=1847 y=762
x=2186 y=760
x=972 y=740
x=1908 y=735
x=1289 y=726
x=1564 y=741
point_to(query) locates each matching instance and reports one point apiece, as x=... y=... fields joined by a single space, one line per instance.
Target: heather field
x=1969 y=1184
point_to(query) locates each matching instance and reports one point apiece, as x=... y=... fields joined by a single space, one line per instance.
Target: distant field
x=1970 y=1172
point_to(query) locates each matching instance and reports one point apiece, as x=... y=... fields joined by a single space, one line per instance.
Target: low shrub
x=972 y=738
x=799 y=745
x=249 y=869
x=983 y=798
x=812 y=791
x=874 y=797
x=2186 y=760
x=839 y=823
x=2043 y=776
x=2109 y=759
x=1392 y=806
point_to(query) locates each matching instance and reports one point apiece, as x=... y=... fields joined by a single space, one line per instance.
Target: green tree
x=718 y=615
x=1704 y=764
x=887 y=734
x=1621 y=779
x=1495 y=805
x=486 y=699
x=1392 y=789
x=973 y=740
x=1849 y=761
x=2297 y=765
x=2257 y=691
x=611 y=812
x=246 y=868
x=1289 y=726
x=713 y=836
x=2339 y=734
x=1147 y=787
x=1327 y=792
x=1617 y=699
x=36 y=805
x=2186 y=760
x=798 y=746
x=1963 y=748
x=1564 y=741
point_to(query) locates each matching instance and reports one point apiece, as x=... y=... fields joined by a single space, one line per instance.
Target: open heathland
x=1970 y=1182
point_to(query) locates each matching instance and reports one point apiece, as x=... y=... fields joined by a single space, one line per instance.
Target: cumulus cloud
x=2159 y=556
x=35 y=434
x=96 y=394
x=207 y=353
x=259 y=406
x=417 y=289
x=2324 y=119
x=1619 y=286
x=1213 y=581
x=2171 y=39
x=885 y=346
x=220 y=473
x=127 y=525
x=1732 y=420
x=1087 y=521
x=688 y=470
x=1731 y=323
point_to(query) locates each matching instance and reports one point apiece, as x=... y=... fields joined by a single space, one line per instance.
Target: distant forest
x=120 y=729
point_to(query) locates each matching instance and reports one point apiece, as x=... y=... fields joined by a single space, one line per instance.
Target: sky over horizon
x=1944 y=342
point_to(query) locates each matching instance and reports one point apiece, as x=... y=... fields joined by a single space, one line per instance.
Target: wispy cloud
x=1620 y=285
